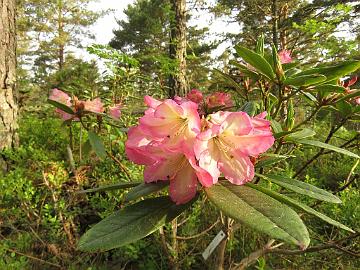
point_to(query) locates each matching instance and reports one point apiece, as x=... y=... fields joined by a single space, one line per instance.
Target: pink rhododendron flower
x=115 y=112
x=195 y=96
x=219 y=99
x=174 y=144
x=95 y=106
x=285 y=56
x=347 y=85
x=173 y=122
x=63 y=98
x=226 y=147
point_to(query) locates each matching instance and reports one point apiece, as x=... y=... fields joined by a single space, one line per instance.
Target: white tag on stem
x=214 y=243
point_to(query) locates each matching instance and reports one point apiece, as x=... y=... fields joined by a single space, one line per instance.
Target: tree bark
x=8 y=103
x=177 y=49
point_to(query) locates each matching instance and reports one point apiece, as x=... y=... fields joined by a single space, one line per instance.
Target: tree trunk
x=275 y=18
x=8 y=105
x=177 y=49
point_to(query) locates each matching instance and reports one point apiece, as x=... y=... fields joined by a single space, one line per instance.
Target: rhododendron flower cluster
x=80 y=107
x=176 y=143
x=347 y=85
x=285 y=56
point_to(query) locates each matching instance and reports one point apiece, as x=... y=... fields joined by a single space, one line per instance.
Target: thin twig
x=199 y=234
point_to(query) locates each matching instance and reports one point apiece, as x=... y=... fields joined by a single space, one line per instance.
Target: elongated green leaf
x=301 y=188
x=260 y=212
x=260 y=45
x=334 y=72
x=130 y=224
x=329 y=147
x=61 y=106
x=293 y=203
x=305 y=80
x=329 y=88
x=145 y=189
x=229 y=81
x=256 y=60
x=97 y=145
x=353 y=94
x=245 y=70
x=250 y=108
x=304 y=133
x=270 y=159
x=122 y=185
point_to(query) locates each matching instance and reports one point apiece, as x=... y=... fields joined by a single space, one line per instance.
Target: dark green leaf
x=245 y=70
x=145 y=189
x=229 y=81
x=130 y=224
x=260 y=212
x=304 y=80
x=61 y=106
x=256 y=60
x=334 y=72
x=122 y=185
x=249 y=107
x=353 y=94
x=293 y=203
x=301 y=187
x=97 y=145
x=329 y=88
x=344 y=107
x=329 y=147
x=276 y=126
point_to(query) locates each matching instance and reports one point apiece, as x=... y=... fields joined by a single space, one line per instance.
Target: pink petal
x=237 y=123
x=195 y=96
x=285 y=56
x=115 y=112
x=151 y=102
x=183 y=186
x=94 y=106
x=237 y=168
x=60 y=96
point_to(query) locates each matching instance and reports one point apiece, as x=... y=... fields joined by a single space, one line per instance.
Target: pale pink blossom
x=226 y=148
x=219 y=99
x=63 y=98
x=285 y=56
x=173 y=122
x=95 y=106
x=181 y=170
x=115 y=111
x=195 y=96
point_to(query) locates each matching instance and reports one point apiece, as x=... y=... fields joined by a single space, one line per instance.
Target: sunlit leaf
x=256 y=60
x=260 y=212
x=301 y=187
x=328 y=146
x=293 y=203
x=122 y=185
x=304 y=80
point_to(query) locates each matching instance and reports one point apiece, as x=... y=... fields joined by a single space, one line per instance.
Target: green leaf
x=259 y=212
x=305 y=80
x=228 y=80
x=250 y=108
x=329 y=147
x=256 y=60
x=334 y=72
x=293 y=203
x=97 y=145
x=244 y=69
x=301 y=188
x=130 y=224
x=276 y=126
x=309 y=96
x=344 y=107
x=61 y=106
x=145 y=189
x=304 y=133
x=353 y=94
x=122 y=185
x=260 y=45
x=270 y=159
x=329 y=88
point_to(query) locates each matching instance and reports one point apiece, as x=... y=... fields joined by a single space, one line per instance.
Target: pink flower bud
x=114 y=111
x=219 y=99
x=285 y=56
x=195 y=96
